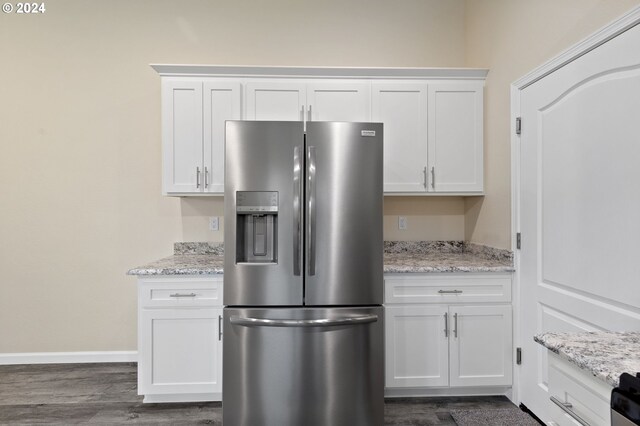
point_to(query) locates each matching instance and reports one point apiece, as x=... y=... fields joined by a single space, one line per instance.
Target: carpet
x=493 y=417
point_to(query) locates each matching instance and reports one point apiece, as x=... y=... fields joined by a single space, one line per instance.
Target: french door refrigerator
x=303 y=321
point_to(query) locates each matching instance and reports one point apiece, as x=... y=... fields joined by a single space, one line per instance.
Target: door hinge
x=518 y=356
x=518 y=125
x=518 y=241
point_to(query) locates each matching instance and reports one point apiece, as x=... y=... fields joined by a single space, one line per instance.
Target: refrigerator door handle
x=297 y=222
x=324 y=322
x=311 y=200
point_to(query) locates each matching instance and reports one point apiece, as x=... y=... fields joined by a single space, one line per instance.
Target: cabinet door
x=182 y=136
x=278 y=101
x=221 y=103
x=455 y=137
x=338 y=101
x=402 y=108
x=480 y=345
x=180 y=351
x=416 y=346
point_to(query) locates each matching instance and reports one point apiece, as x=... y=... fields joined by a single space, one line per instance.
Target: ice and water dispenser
x=257 y=227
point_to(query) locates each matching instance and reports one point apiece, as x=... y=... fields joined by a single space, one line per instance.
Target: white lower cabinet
x=447 y=345
x=417 y=349
x=480 y=346
x=576 y=397
x=180 y=339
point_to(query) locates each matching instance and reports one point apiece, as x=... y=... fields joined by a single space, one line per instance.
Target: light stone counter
x=188 y=259
x=604 y=354
x=444 y=256
x=399 y=257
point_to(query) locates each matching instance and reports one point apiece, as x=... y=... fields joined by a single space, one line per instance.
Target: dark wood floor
x=65 y=394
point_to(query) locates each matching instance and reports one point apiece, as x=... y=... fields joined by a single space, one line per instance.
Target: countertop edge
x=589 y=352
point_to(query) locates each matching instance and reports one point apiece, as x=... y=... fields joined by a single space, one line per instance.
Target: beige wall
x=80 y=132
x=512 y=37
x=80 y=140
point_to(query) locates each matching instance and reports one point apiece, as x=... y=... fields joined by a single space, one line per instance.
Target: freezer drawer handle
x=566 y=407
x=324 y=322
x=449 y=291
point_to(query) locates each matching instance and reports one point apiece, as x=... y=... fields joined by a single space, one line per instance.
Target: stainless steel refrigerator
x=303 y=321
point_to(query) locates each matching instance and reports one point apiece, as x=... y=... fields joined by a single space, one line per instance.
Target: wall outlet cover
x=214 y=223
x=402 y=222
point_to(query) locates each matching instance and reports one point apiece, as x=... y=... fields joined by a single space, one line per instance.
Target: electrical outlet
x=402 y=222
x=213 y=223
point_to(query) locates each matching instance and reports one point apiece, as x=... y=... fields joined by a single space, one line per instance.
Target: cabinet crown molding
x=325 y=72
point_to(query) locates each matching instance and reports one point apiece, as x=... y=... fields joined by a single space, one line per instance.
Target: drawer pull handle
x=567 y=408
x=449 y=291
x=183 y=295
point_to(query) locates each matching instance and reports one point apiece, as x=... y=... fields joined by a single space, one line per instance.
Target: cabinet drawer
x=588 y=397
x=177 y=292
x=447 y=288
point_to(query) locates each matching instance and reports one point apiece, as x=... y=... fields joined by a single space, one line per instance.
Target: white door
x=455 y=137
x=416 y=346
x=481 y=345
x=221 y=103
x=182 y=136
x=402 y=108
x=579 y=203
x=338 y=101
x=275 y=100
x=181 y=351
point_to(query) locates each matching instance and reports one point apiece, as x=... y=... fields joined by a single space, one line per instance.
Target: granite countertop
x=188 y=259
x=604 y=354
x=399 y=257
x=444 y=256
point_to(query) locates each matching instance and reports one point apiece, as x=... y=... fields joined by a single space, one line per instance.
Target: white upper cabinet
x=433 y=136
x=455 y=137
x=275 y=100
x=221 y=103
x=317 y=100
x=402 y=108
x=338 y=101
x=181 y=135
x=433 y=119
x=193 y=116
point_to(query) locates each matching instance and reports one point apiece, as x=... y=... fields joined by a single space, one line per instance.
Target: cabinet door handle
x=302 y=113
x=567 y=408
x=446 y=325
x=424 y=177
x=183 y=295
x=197 y=177
x=309 y=114
x=455 y=325
x=206 y=177
x=219 y=327
x=449 y=291
x=433 y=177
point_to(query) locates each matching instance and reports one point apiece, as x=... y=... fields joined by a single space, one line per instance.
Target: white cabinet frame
x=433 y=145
x=180 y=338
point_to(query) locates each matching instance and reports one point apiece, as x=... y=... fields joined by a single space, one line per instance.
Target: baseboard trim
x=67 y=357
x=186 y=397
x=465 y=391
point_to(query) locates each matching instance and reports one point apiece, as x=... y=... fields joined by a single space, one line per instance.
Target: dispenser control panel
x=257 y=227
x=257 y=202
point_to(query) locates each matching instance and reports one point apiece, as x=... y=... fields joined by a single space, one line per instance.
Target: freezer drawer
x=303 y=366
